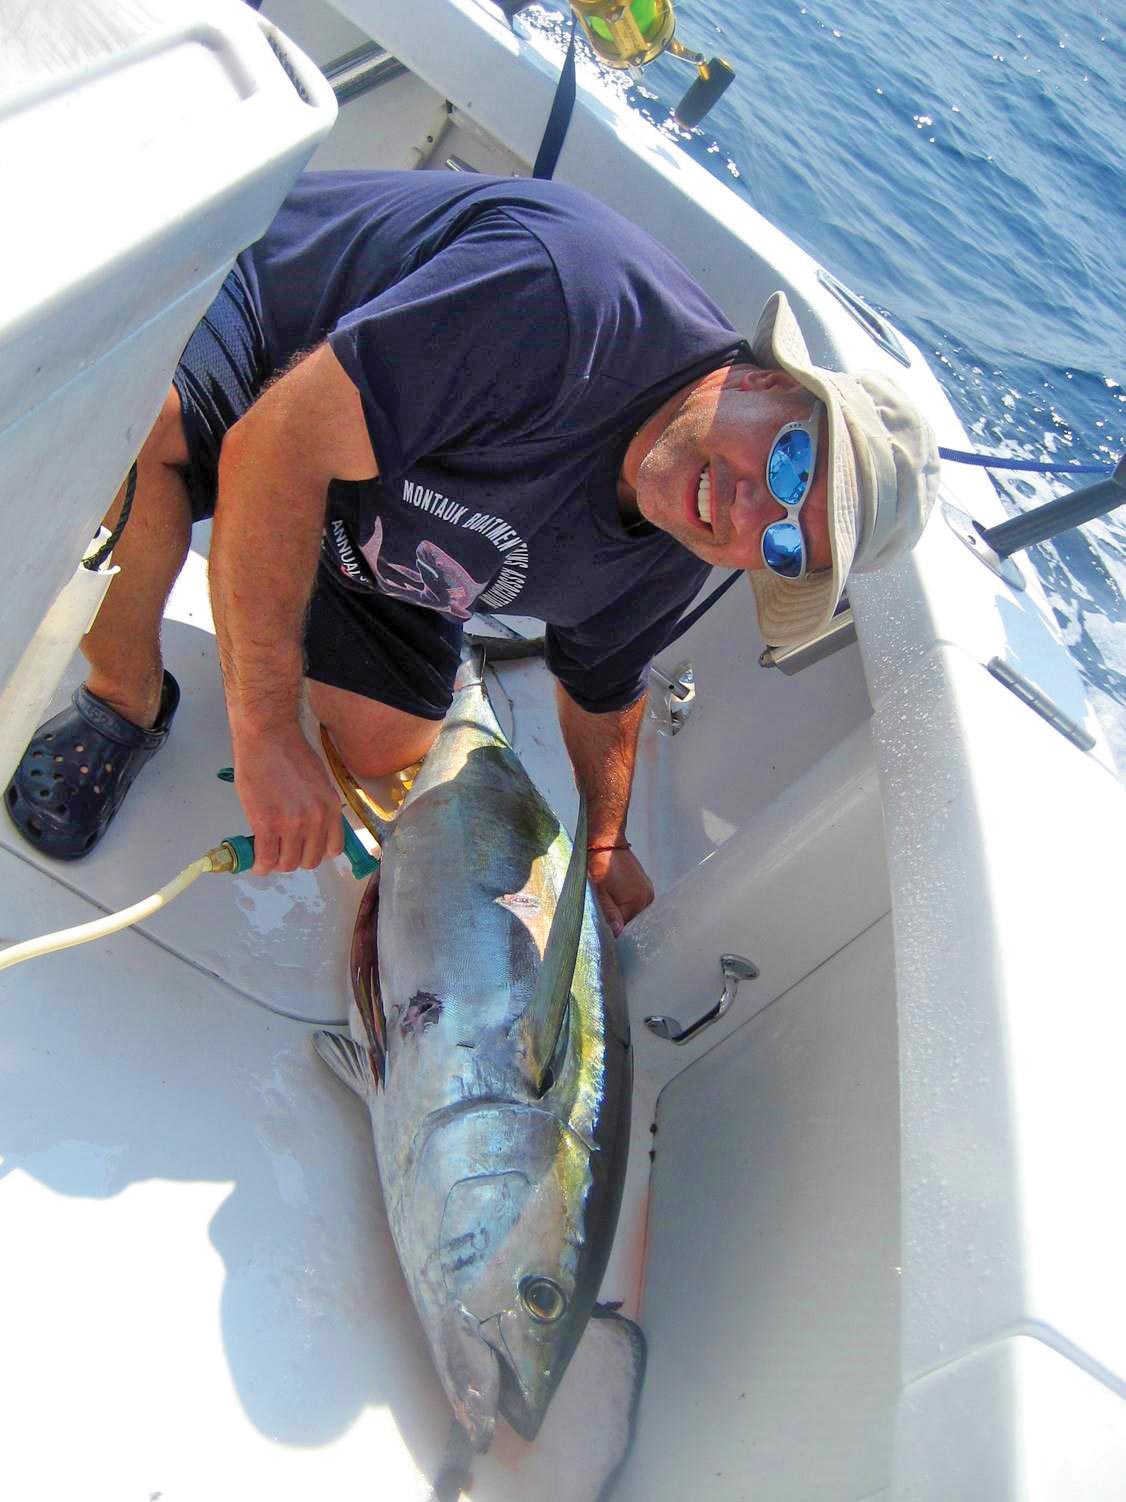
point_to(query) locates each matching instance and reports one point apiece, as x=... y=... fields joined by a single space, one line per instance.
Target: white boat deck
x=175 y=1109
x=197 y=1271
x=195 y=1188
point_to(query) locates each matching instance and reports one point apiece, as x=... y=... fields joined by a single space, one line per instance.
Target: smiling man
x=738 y=468
x=421 y=394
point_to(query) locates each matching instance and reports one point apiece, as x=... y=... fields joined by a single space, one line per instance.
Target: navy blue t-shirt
x=507 y=338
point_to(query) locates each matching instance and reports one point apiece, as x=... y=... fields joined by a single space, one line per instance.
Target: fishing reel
x=630 y=33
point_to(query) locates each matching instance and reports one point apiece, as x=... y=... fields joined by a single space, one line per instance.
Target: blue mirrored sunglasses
x=789 y=477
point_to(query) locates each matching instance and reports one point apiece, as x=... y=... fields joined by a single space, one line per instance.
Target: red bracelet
x=594 y=849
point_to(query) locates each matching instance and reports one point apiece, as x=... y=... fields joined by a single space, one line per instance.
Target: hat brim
x=792 y=611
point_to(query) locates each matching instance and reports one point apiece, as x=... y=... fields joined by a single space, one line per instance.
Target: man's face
x=724 y=428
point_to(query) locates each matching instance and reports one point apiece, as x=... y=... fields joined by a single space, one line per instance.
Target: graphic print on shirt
x=429 y=575
x=437 y=581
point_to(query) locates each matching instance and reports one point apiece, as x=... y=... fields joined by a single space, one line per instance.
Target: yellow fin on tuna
x=539 y=1025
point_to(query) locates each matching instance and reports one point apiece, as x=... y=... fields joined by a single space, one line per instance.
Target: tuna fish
x=490 y=1042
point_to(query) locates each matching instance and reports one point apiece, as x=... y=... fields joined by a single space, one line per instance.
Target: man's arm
x=603 y=752
x=274 y=471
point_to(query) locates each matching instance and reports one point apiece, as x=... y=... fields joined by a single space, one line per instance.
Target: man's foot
x=139 y=704
x=76 y=771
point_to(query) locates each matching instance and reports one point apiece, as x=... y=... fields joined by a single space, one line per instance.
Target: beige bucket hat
x=882 y=478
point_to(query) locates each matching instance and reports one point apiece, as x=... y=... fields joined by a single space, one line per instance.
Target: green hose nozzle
x=241 y=846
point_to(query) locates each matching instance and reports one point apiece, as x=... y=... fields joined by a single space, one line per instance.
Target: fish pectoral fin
x=348 y=1061
x=541 y=1023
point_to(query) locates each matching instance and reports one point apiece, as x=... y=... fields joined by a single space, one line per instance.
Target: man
x=424 y=393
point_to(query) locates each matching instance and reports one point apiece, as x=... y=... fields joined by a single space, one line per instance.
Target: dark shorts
x=395 y=653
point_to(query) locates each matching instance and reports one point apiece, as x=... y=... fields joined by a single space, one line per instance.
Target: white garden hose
x=234 y=855
x=215 y=860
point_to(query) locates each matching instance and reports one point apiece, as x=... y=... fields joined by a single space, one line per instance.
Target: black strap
x=704 y=606
x=555 y=132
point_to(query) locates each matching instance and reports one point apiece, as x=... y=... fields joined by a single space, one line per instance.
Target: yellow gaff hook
x=376 y=820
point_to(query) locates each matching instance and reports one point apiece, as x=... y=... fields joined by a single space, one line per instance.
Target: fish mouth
x=493 y=1387
x=530 y=1370
x=482 y=1378
x=471 y=1373
x=524 y=1416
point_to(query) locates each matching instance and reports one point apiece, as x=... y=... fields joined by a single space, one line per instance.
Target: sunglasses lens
x=782 y=549
x=789 y=465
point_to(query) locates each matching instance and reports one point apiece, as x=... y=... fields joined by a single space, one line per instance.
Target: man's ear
x=756 y=378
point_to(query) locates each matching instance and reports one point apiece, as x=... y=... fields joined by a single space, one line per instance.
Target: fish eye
x=544 y=1300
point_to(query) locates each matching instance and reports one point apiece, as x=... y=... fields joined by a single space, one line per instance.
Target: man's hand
x=620 y=884
x=289 y=802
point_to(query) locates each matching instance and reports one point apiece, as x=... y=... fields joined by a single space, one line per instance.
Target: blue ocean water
x=964 y=169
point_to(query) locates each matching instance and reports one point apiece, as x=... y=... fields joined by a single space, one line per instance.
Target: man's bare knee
x=369 y=757
x=373 y=739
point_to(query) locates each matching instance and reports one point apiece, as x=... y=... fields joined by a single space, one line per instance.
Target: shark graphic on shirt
x=437 y=581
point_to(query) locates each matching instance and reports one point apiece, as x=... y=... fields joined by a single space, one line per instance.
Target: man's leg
x=80 y=764
x=123 y=645
x=380 y=674
x=373 y=739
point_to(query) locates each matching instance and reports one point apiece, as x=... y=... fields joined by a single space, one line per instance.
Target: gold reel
x=626 y=35
x=631 y=33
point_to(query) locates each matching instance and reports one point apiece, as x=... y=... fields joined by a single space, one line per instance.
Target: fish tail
x=472 y=671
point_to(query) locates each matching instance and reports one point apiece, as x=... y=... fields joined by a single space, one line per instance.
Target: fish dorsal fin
x=471 y=673
x=539 y=1025
x=348 y=1061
